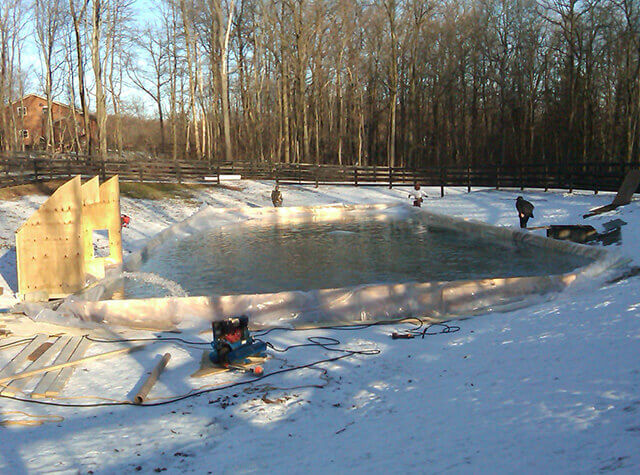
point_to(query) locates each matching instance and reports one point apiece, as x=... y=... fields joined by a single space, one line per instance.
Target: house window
x=21 y=111
x=24 y=133
x=45 y=109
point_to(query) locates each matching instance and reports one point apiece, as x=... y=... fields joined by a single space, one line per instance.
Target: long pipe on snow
x=151 y=380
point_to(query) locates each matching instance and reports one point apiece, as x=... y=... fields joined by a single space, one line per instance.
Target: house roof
x=78 y=110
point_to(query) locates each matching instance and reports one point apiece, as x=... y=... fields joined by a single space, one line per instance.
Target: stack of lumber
x=35 y=358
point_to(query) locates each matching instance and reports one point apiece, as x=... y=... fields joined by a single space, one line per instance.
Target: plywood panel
x=110 y=198
x=54 y=246
x=101 y=210
x=48 y=245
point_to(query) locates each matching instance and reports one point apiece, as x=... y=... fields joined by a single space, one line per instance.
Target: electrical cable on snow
x=327 y=343
x=17 y=342
x=196 y=393
x=36 y=420
x=156 y=339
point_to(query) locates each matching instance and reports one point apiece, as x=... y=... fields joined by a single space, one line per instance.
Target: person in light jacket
x=417 y=195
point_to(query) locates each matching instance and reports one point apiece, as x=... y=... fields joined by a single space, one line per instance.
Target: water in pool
x=278 y=257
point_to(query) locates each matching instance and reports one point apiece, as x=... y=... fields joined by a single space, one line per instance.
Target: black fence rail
x=22 y=168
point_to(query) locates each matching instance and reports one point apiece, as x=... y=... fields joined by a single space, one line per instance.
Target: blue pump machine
x=232 y=342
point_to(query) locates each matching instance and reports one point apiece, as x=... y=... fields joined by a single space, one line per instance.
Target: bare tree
x=152 y=75
x=49 y=26
x=78 y=18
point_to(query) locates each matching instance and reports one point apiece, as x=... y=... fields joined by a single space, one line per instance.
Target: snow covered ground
x=550 y=388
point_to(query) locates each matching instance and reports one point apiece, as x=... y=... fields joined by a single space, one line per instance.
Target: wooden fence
x=21 y=168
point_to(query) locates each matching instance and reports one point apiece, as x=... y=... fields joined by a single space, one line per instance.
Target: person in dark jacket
x=525 y=211
x=276 y=197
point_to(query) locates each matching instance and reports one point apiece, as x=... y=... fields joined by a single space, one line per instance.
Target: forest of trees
x=388 y=82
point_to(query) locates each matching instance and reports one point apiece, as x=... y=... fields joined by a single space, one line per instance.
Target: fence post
x=355 y=175
x=546 y=177
x=317 y=174
x=468 y=179
x=498 y=176
x=521 y=177
x=570 y=169
x=179 y=172
x=35 y=169
x=390 y=177
x=140 y=175
x=103 y=170
x=622 y=172
x=442 y=178
x=595 y=178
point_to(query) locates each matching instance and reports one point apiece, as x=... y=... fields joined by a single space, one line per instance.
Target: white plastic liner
x=365 y=303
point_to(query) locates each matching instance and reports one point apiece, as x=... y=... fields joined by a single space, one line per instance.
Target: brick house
x=30 y=116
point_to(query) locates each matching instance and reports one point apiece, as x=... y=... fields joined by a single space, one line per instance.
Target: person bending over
x=276 y=197
x=525 y=211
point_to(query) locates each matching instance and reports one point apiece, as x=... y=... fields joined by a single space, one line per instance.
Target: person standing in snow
x=417 y=195
x=525 y=211
x=276 y=197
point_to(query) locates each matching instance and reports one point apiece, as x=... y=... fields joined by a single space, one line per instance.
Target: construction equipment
x=233 y=344
x=584 y=233
x=572 y=232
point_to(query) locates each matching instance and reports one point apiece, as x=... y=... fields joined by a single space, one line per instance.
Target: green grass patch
x=158 y=191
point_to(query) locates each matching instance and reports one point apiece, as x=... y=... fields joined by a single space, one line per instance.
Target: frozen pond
x=264 y=258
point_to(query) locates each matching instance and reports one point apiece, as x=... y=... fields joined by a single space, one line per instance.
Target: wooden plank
x=207 y=368
x=623 y=197
x=48 y=378
x=628 y=188
x=109 y=354
x=600 y=210
x=65 y=374
x=39 y=351
x=15 y=387
x=16 y=363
